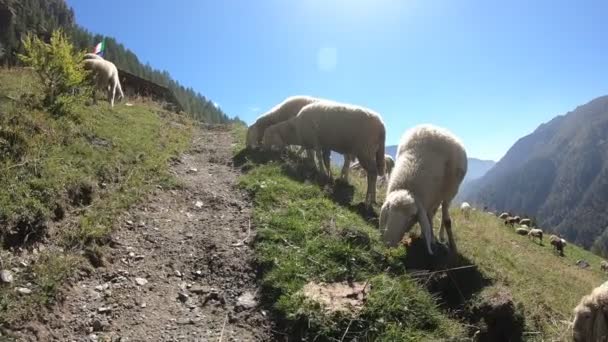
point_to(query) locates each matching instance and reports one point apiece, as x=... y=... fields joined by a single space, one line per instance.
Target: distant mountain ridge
x=476 y=167
x=558 y=173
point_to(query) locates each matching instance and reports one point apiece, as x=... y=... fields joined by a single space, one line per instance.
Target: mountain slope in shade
x=558 y=174
x=476 y=167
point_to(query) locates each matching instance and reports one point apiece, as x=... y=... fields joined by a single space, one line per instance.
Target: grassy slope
x=47 y=162
x=304 y=236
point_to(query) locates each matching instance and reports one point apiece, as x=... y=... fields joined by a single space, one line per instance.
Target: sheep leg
x=113 y=95
x=426 y=226
x=319 y=153
x=326 y=161
x=370 y=197
x=446 y=222
x=346 y=167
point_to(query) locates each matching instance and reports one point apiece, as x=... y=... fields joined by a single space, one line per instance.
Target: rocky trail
x=179 y=265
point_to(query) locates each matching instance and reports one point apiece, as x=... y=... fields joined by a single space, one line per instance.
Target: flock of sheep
x=429 y=167
x=105 y=75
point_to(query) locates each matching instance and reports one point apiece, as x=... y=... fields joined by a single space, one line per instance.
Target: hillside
x=310 y=232
x=558 y=174
x=477 y=167
x=43 y=16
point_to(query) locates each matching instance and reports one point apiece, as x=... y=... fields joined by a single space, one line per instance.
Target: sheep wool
x=289 y=108
x=430 y=166
x=590 y=318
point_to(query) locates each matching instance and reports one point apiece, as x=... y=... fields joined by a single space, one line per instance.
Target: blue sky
x=490 y=71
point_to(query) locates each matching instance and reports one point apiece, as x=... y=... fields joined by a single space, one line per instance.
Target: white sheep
x=503 y=216
x=92 y=56
x=353 y=131
x=604 y=265
x=525 y=221
x=389 y=164
x=106 y=77
x=536 y=233
x=431 y=164
x=466 y=209
x=522 y=230
x=287 y=109
x=591 y=316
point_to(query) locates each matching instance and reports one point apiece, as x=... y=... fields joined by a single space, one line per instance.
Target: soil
x=179 y=267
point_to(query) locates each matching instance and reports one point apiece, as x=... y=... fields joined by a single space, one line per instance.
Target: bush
x=59 y=67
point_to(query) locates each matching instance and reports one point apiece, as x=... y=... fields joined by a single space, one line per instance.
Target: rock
x=6 y=276
x=182 y=297
x=200 y=289
x=129 y=223
x=23 y=290
x=189 y=235
x=141 y=224
x=198 y=204
x=93 y=338
x=504 y=321
x=131 y=255
x=178 y=273
x=184 y=321
x=246 y=301
x=141 y=281
x=99 y=325
x=193 y=170
x=104 y=309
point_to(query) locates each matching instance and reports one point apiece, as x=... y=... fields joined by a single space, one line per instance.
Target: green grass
x=67 y=179
x=304 y=236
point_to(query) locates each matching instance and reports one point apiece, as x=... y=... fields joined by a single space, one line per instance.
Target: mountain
x=558 y=174
x=476 y=167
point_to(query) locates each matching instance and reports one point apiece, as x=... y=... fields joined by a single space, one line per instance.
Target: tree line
x=41 y=17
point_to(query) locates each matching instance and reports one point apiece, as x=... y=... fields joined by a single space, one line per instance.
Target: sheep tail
x=380 y=163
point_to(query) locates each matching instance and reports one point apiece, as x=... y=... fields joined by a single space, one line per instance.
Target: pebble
x=6 y=276
x=104 y=309
x=178 y=273
x=129 y=223
x=183 y=297
x=246 y=300
x=193 y=170
x=198 y=204
x=141 y=281
x=24 y=290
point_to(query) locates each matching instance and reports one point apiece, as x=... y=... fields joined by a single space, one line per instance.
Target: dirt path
x=175 y=273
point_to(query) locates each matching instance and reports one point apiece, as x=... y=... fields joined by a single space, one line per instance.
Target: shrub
x=59 y=67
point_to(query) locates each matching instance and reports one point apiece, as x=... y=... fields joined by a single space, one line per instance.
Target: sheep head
x=397 y=216
x=279 y=135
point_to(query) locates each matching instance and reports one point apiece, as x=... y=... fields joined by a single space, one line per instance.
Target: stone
x=141 y=281
x=6 y=276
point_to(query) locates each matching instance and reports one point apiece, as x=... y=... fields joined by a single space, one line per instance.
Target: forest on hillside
x=43 y=16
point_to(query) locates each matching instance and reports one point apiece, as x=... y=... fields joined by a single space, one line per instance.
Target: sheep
x=536 y=233
x=351 y=130
x=92 y=56
x=525 y=221
x=430 y=166
x=510 y=221
x=558 y=244
x=466 y=209
x=106 y=76
x=604 y=265
x=516 y=219
x=522 y=231
x=283 y=111
x=503 y=216
x=389 y=164
x=591 y=316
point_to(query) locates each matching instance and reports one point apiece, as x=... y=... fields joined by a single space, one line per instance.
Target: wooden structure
x=135 y=85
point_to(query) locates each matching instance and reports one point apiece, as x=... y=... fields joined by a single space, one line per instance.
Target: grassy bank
x=65 y=180
x=307 y=233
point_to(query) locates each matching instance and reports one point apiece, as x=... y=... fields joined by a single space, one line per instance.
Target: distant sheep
x=106 y=78
x=558 y=244
x=591 y=316
x=327 y=126
x=431 y=164
x=389 y=164
x=503 y=216
x=525 y=221
x=522 y=231
x=287 y=109
x=536 y=233
x=466 y=209
x=604 y=265
x=510 y=221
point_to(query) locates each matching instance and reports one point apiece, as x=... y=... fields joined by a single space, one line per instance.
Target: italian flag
x=100 y=48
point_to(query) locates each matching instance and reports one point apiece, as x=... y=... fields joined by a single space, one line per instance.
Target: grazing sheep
x=106 y=76
x=510 y=221
x=536 y=233
x=516 y=219
x=604 y=265
x=389 y=164
x=524 y=226
x=558 y=244
x=351 y=130
x=92 y=56
x=431 y=164
x=466 y=209
x=591 y=316
x=525 y=221
x=289 y=108
x=503 y=216
x=522 y=231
